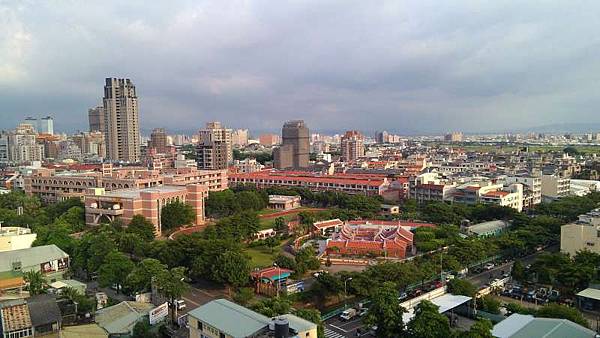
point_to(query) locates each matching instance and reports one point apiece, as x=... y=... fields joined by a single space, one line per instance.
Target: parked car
x=489 y=266
x=402 y=296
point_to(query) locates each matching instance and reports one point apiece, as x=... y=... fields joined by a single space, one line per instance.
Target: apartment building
x=121 y=120
x=583 y=234
x=532 y=189
x=352 y=146
x=158 y=141
x=554 y=186
x=23 y=146
x=294 y=150
x=214 y=149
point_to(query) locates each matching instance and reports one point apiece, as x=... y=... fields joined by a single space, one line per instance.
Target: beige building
x=214 y=150
x=295 y=146
x=583 y=234
x=554 y=186
x=239 y=137
x=23 y=146
x=352 y=146
x=121 y=120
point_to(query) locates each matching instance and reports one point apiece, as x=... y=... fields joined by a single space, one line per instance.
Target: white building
x=532 y=185
x=15 y=238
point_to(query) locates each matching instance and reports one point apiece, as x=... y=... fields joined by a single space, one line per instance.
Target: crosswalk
x=332 y=334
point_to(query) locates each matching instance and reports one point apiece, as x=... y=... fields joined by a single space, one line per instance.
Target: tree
x=176 y=214
x=171 y=284
x=428 y=322
x=142 y=227
x=481 y=329
x=115 y=270
x=140 y=278
x=243 y=296
x=142 y=330
x=272 y=307
x=385 y=312
x=279 y=224
x=462 y=287
x=306 y=260
x=35 y=282
x=490 y=304
x=232 y=268
x=554 y=310
x=518 y=271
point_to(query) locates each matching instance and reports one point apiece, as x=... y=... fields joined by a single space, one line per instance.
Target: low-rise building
x=50 y=260
x=281 y=202
x=119 y=320
x=583 y=234
x=222 y=318
x=15 y=238
x=36 y=316
x=521 y=326
x=487 y=229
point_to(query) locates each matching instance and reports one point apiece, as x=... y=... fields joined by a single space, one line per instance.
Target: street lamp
x=278 y=277
x=345 y=290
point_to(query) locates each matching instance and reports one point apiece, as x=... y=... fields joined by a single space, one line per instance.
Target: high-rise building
x=22 y=145
x=382 y=137
x=96 y=119
x=454 y=137
x=214 y=150
x=352 y=146
x=239 y=137
x=46 y=125
x=3 y=148
x=158 y=140
x=295 y=146
x=121 y=120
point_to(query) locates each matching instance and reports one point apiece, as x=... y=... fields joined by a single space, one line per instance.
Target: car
x=402 y=296
x=489 y=266
x=180 y=304
x=449 y=277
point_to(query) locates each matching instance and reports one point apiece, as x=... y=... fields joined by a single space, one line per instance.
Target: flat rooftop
x=135 y=193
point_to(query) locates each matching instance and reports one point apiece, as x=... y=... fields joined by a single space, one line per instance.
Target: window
x=199 y=325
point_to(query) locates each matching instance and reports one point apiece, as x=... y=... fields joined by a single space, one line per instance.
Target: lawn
x=262 y=256
x=267 y=223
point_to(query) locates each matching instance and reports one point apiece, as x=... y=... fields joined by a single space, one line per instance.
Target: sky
x=413 y=67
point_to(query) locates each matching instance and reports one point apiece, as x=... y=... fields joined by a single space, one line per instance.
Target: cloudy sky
x=408 y=66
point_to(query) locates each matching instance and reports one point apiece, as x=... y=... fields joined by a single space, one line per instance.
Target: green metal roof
x=299 y=324
x=527 y=326
x=230 y=318
x=30 y=257
x=590 y=293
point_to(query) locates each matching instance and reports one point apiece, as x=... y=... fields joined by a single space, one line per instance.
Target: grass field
x=266 y=223
x=262 y=256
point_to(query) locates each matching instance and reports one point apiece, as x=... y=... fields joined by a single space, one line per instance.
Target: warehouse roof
x=525 y=326
x=234 y=320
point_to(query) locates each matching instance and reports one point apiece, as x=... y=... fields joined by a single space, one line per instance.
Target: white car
x=489 y=266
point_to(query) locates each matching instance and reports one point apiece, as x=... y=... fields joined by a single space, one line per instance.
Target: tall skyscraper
x=295 y=146
x=96 y=119
x=352 y=146
x=158 y=140
x=121 y=120
x=214 y=150
x=46 y=125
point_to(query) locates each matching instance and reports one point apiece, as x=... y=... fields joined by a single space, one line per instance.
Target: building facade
x=352 y=146
x=121 y=120
x=96 y=119
x=158 y=140
x=295 y=146
x=214 y=149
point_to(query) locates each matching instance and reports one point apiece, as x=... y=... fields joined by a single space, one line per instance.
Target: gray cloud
x=408 y=66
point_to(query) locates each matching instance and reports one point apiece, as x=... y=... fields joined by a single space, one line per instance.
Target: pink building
x=104 y=207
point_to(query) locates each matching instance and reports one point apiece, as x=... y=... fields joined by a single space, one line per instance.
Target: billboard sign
x=158 y=313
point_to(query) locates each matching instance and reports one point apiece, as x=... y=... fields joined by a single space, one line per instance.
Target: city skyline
x=410 y=68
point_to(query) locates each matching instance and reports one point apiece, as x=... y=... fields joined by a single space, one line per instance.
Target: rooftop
x=15 y=317
x=525 y=326
x=233 y=319
x=30 y=256
x=135 y=193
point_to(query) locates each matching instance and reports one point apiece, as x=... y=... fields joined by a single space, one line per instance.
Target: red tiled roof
x=270 y=272
x=496 y=193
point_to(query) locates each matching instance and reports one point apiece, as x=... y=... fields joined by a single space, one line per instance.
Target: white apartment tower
x=121 y=120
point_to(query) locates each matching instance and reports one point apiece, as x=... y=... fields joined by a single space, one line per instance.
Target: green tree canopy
x=115 y=269
x=176 y=214
x=385 y=311
x=142 y=227
x=428 y=322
